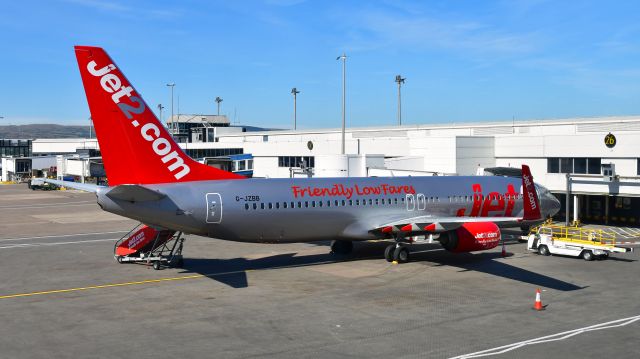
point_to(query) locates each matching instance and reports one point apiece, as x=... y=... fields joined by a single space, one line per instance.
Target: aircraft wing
x=431 y=224
x=88 y=187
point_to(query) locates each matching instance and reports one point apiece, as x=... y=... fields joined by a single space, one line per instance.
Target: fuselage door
x=422 y=201
x=214 y=207
x=411 y=202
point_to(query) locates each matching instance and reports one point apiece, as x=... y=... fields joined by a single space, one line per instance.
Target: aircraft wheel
x=388 y=252
x=341 y=247
x=156 y=265
x=543 y=250
x=119 y=259
x=401 y=254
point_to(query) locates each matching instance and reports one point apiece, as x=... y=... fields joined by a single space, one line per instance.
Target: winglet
x=530 y=196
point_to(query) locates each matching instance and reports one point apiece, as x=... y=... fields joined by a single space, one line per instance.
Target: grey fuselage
x=313 y=209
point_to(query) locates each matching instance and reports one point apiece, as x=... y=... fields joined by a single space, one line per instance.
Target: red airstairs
x=144 y=244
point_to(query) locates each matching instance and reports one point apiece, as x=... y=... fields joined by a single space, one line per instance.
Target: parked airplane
x=153 y=181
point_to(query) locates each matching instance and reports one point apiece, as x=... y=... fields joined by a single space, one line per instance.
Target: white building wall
x=8 y=165
x=62 y=145
x=474 y=152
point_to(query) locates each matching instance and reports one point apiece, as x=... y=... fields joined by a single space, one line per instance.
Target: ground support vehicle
x=144 y=244
x=585 y=243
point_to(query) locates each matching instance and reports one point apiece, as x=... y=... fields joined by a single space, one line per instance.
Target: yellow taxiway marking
x=102 y=286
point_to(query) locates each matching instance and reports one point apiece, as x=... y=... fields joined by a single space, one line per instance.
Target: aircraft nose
x=553 y=204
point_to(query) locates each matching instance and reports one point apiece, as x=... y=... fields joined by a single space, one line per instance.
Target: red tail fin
x=530 y=199
x=135 y=146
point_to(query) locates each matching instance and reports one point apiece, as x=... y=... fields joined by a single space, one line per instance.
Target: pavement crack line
x=550 y=338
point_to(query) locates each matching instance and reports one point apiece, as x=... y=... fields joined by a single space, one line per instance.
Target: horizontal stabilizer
x=75 y=185
x=134 y=193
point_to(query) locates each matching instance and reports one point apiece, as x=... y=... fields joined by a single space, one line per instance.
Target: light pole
x=218 y=100
x=295 y=92
x=400 y=81
x=90 y=123
x=160 y=108
x=172 y=85
x=343 y=57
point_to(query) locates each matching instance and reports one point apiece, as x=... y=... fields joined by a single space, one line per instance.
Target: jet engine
x=471 y=236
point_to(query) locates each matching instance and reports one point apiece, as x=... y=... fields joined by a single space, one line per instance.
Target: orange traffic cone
x=538 y=304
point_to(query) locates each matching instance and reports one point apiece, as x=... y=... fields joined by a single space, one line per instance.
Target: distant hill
x=43 y=131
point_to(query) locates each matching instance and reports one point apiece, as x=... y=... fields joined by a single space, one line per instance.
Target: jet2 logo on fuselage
x=493 y=202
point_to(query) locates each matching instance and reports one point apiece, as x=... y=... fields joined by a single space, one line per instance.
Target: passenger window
x=370 y=202
x=306 y=204
x=261 y=205
x=284 y=204
x=336 y=203
x=313 y=204
x=246 y=206
x=357 y=202
x=344 y=203
x=270 y=205
x=350 y=202
x=299 y=204
x=255 y=206
x=277 y=205
x=377 y=202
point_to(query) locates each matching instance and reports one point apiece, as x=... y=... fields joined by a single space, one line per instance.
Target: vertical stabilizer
x=136 y=148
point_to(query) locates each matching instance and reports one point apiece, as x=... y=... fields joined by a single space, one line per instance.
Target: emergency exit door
x=214 y=208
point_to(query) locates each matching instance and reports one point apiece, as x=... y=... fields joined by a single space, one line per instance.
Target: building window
x=553 y=165
x=265 y=138
x=296 y=161
x=579 y=165
x=566 y=165
x=638 y=166
x=593 y=166
x=213 y=152
x=573 y=165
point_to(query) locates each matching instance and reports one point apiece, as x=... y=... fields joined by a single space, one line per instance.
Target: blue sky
x=463 y=60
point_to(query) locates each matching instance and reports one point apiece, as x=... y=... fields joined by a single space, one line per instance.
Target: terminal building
x=595 y=160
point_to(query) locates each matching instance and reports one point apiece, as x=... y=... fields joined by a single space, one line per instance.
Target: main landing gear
x=398 y=251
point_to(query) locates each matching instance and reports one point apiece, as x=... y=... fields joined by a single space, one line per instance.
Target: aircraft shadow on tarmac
x=232 y=272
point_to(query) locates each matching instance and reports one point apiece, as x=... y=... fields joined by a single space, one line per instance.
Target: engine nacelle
x=471 y=236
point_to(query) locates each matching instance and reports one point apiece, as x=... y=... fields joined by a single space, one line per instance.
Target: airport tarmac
x=63 y=295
